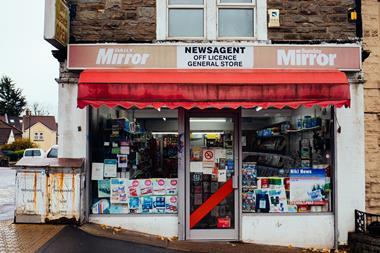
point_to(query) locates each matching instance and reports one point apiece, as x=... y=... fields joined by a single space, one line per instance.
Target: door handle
x=235 y=181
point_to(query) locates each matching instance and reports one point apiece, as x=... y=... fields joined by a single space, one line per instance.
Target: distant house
x=41 y=130
x=8 y=133
x=14 y=121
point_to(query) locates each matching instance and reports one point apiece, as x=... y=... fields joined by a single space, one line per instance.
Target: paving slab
x=25 y=237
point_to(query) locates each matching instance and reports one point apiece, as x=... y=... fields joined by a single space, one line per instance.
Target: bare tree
x=38 y=109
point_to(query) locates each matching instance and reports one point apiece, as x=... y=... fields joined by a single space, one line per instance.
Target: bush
x=19 y=144
x=14 y=156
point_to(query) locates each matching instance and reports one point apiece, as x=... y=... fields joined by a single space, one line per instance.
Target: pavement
x=7 y=192
x=25 y=237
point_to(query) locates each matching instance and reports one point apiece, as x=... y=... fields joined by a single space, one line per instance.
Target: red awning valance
x=213 y=88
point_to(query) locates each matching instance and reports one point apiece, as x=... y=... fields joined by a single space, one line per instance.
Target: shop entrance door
x=212 y=176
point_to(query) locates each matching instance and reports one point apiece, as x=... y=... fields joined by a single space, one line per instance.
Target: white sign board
x=210 y=56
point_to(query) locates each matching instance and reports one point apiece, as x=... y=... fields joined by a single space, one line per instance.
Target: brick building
x=217 y=119
x=371 y=42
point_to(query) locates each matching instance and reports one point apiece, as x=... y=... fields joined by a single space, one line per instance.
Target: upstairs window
x=186 y=18
x=236 y=18
x=211 y=20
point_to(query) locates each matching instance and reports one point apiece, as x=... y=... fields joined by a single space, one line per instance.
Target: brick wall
x=371 y=68
x=135 y=20
x=113 y=20
x=312 y=20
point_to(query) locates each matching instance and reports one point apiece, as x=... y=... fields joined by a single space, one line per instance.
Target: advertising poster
x=307 y=186
x=119 y=188
x=110 y=167
x=159 y=186
x=134 y=188
x=146 y=187
x=122 y=161
x=104 y=188
x=97 y=171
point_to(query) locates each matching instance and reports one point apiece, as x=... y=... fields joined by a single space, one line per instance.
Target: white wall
x=71 y=141
x=350 y=163
x=162 y=225
x=297 y=230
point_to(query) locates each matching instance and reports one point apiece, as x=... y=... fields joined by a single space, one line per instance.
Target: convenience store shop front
x=248 y=154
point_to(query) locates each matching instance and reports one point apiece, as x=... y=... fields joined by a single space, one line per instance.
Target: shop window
x=134 y=161
x=211 y=20
x=287 y=160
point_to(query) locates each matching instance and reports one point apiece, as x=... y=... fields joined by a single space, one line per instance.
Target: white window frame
x=36 y=136
x=251 y=5
x=184 y=6
x=211 y=8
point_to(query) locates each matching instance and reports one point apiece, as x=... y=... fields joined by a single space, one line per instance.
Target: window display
x=134 y=161
x=287 y=160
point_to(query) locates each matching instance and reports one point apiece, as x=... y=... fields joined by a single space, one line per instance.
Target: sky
x=24 y=54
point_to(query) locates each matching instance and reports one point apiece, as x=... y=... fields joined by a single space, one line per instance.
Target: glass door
x=212 y=177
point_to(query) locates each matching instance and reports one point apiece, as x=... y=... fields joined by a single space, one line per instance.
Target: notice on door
x=207 y=56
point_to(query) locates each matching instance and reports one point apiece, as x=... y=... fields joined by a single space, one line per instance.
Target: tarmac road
x=7 y=193
x=73 y=240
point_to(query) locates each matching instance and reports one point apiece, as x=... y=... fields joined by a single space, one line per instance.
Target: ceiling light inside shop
x=208 y=120
x=164 y=133
x=207 y=133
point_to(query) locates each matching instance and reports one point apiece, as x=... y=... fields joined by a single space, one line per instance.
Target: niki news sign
x=206 y=56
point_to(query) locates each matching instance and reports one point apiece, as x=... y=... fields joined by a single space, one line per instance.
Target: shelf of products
x=138 y=172
x=284 y=171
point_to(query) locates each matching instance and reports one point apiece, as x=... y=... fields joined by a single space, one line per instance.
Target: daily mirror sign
x=206 y=56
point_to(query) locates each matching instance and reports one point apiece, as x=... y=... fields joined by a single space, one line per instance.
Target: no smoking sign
x=208 y=155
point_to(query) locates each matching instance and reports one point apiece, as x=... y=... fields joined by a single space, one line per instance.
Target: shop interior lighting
x=164 y=133
x=258 y=108
x=208 y=120
x=200 y=133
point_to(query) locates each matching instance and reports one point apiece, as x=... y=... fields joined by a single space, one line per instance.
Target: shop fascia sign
x=56 y=30
x=346 y=57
